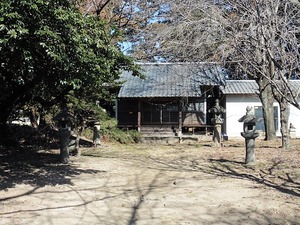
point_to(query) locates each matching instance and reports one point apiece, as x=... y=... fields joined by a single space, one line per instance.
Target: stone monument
x=249 y=134
x=96 y=134
x=64 y=119
x=217 y=122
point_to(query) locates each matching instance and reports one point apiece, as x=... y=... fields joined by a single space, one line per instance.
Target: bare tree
x=265 y=46
x=258 y=38
x=214 y=31
x=188 y=31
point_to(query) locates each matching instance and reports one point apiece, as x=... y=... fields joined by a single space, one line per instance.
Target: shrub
x=113 y=133
x=117 y=135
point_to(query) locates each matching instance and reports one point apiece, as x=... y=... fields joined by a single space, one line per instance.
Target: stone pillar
x=250 y=146
x=217 y=135
x=96 y=134
x=250 y=156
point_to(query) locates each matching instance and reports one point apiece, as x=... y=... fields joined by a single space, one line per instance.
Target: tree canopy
x=49 y=48
x=133 y=17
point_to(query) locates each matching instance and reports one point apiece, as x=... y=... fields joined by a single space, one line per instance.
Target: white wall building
x=242 y=93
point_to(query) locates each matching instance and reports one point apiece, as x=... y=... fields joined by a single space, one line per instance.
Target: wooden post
x=180 y=120
x=139 y=116
x=205 y=108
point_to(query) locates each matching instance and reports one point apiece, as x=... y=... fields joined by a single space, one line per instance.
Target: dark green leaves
x=48 y=48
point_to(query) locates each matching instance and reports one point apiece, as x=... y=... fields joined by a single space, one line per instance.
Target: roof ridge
x=241 y=80
x=175 y=63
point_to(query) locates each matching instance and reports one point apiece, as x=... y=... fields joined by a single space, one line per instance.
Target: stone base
x=217 y=135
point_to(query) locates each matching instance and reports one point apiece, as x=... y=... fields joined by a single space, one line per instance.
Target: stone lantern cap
x=249 y=120
x=249 y=117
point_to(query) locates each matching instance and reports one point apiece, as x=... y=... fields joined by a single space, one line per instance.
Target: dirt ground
x=153 y=184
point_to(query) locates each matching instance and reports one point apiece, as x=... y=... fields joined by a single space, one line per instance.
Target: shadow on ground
x=268 y=175
x=36 y=168
x=142 y=197
x=22 y=160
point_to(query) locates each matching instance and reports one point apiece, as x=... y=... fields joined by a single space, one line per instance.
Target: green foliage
x=49 y=48
x=124 y=137
x=109 y=129
x=114 y=134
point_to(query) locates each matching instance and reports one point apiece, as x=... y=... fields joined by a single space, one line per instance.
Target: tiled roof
x=250 y=86
x=240 y=87
x=171 y=80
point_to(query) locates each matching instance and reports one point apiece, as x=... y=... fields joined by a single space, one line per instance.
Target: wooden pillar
x=180 y=119
x=139 y=116
x=117 y=108
x=205 y=108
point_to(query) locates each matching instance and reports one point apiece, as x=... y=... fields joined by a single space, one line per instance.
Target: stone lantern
x=249 y=134
x=96 y=134
x=64 y=122
x=217 y=121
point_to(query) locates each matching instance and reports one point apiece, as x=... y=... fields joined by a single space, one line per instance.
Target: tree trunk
x=77 y=142
x=64 y=135
x=284 y=118
x=266 y=97
x=4 y=129
x=34 y=117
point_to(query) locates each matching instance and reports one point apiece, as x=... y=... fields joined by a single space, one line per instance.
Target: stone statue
x=217 y=121
x=217 y=110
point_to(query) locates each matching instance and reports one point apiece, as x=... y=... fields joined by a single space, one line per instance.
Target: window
x=170 y=113
x=258 y=112
x=160 y=113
